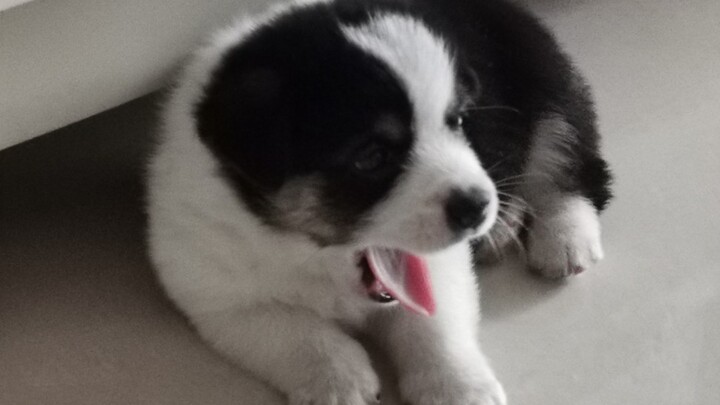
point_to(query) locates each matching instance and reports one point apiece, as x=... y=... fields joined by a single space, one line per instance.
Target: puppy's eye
x=454 y=121
x=371 y=158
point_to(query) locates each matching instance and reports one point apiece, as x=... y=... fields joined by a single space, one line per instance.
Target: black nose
x=465 y=209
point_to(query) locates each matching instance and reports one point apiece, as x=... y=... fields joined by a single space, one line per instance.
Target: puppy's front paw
x=565 y=241
x=346 y=378
x=448 y=387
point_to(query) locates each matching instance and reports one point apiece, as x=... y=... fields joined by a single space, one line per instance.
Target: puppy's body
x=298 y=141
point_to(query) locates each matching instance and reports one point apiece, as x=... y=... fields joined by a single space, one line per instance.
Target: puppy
x=324 y=167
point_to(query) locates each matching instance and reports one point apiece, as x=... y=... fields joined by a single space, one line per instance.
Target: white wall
x=6 y=4
x=64 y=60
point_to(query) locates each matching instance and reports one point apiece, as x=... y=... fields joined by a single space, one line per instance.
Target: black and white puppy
x=327 y=160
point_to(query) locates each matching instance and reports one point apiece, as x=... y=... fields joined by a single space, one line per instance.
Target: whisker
x=494 y=107
x=509 y=232
x=496 y=164
x=517 y=220
x=493 y=244
x=513 y=197
x=518 y=207
x=502 y=160
x=520 y=176
x=511 y=184
x=518 y=202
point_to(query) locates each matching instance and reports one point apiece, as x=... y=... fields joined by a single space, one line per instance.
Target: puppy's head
x=348 y=132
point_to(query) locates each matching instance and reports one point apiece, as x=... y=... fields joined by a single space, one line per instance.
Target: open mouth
x=392 y=274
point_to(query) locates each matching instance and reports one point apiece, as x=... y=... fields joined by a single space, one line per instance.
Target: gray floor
x=83 y=321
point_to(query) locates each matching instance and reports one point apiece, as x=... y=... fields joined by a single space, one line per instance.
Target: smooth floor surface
x=82 y=320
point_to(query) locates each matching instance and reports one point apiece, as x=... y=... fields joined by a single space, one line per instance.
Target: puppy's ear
x=245 y=120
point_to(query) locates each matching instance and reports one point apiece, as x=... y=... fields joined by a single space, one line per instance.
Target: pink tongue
x=404 y=276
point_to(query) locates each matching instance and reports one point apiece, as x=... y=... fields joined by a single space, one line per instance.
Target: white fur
x=278 y=304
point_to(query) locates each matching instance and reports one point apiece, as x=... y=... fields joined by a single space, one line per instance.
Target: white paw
x=565 y=240
x=477 y=386
x=345 y=379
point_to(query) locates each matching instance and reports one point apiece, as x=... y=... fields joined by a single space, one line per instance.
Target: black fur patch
x=296 y=99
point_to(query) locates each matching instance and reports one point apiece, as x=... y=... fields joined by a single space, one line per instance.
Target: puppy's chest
x=334 y=295
x=330 y=288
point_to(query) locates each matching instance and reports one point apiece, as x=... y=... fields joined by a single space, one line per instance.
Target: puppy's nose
x=466 y=209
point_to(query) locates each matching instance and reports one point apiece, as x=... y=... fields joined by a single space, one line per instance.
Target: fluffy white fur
x=278 y=304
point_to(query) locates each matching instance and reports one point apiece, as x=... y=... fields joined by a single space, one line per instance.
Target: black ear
x=245 y=120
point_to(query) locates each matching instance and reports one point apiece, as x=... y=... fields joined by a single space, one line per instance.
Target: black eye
x=454 y=121
x=371 y=158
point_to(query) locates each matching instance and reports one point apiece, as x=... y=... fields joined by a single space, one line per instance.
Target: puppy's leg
x=309 y=359
x=566 y=187
x=564 y=238
x=439 y=358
